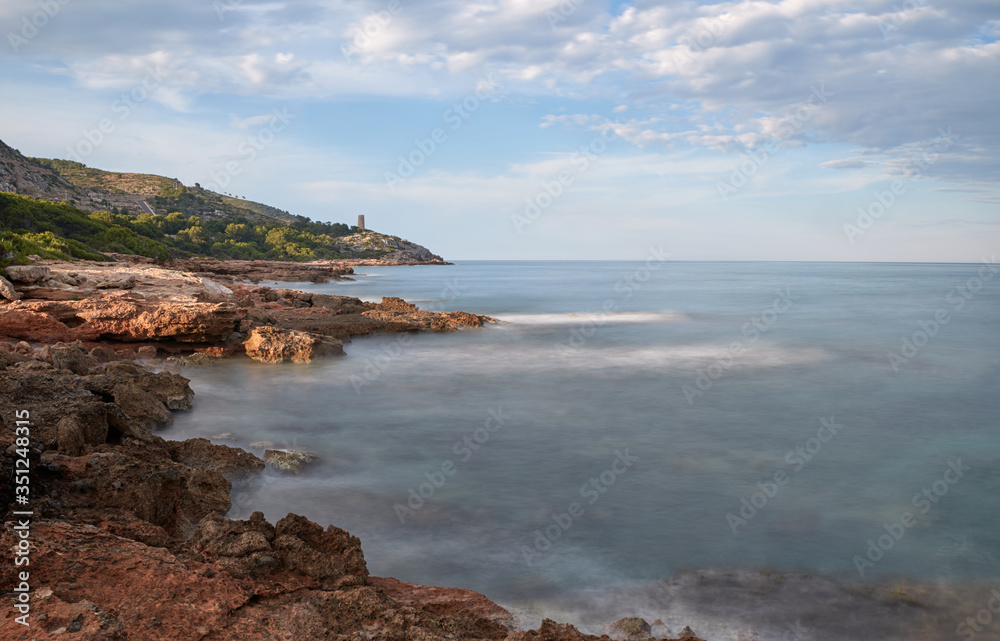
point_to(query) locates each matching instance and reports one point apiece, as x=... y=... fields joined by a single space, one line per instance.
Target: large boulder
x=213 y=292
x=173 y=390
x=273 y=345
x=28 y=273
x=141 y=400
x=7 y=290
x=326 y=555
x=630 y=628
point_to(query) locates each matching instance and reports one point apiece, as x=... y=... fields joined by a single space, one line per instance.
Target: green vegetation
x=59 y=230
x=259 y=208
x=162 y=193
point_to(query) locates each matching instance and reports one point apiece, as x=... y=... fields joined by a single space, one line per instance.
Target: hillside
x=137 y=194
x=64 y=209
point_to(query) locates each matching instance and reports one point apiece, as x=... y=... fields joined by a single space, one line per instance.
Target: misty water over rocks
x=786 y=450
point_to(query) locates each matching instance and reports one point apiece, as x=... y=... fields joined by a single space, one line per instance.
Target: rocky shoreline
x=128 y=537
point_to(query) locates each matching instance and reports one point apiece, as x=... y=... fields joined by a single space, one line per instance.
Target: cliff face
x=22 y=176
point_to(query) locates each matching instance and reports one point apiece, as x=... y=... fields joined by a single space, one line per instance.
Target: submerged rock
x=630 y=628
x=289 y=460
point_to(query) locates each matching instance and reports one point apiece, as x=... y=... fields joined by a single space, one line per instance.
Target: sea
x=757 y=450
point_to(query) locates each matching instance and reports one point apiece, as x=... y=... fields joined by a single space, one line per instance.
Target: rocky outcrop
x=162 y=310
x=273 y=345
x=145 y=482
x=118 y=318
x=395 y=312
x=390 y=249
x=232 y=463
x=127 y=319
x=258 y=270
x=331 y=558
x=103 y=585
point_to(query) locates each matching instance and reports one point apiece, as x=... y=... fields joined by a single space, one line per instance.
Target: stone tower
x=361 y=222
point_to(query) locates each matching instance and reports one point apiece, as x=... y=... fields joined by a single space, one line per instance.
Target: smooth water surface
x=600 y=363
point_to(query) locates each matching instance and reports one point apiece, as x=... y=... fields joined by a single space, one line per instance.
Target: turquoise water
x=633 y=429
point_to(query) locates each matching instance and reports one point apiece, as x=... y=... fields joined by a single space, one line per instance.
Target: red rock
x=231 y=462
x=442 y=601
x=140 y=320
x=28 y=325
x=273 y=345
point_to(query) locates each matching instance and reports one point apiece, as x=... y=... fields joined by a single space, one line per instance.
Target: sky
x=513 y=129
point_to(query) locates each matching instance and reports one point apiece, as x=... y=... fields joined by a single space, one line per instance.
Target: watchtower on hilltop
x=361 y=222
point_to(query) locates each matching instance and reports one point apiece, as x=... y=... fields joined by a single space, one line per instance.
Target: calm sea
x=783 y=450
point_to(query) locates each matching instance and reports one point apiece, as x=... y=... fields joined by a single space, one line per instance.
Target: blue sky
x=783 y=130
